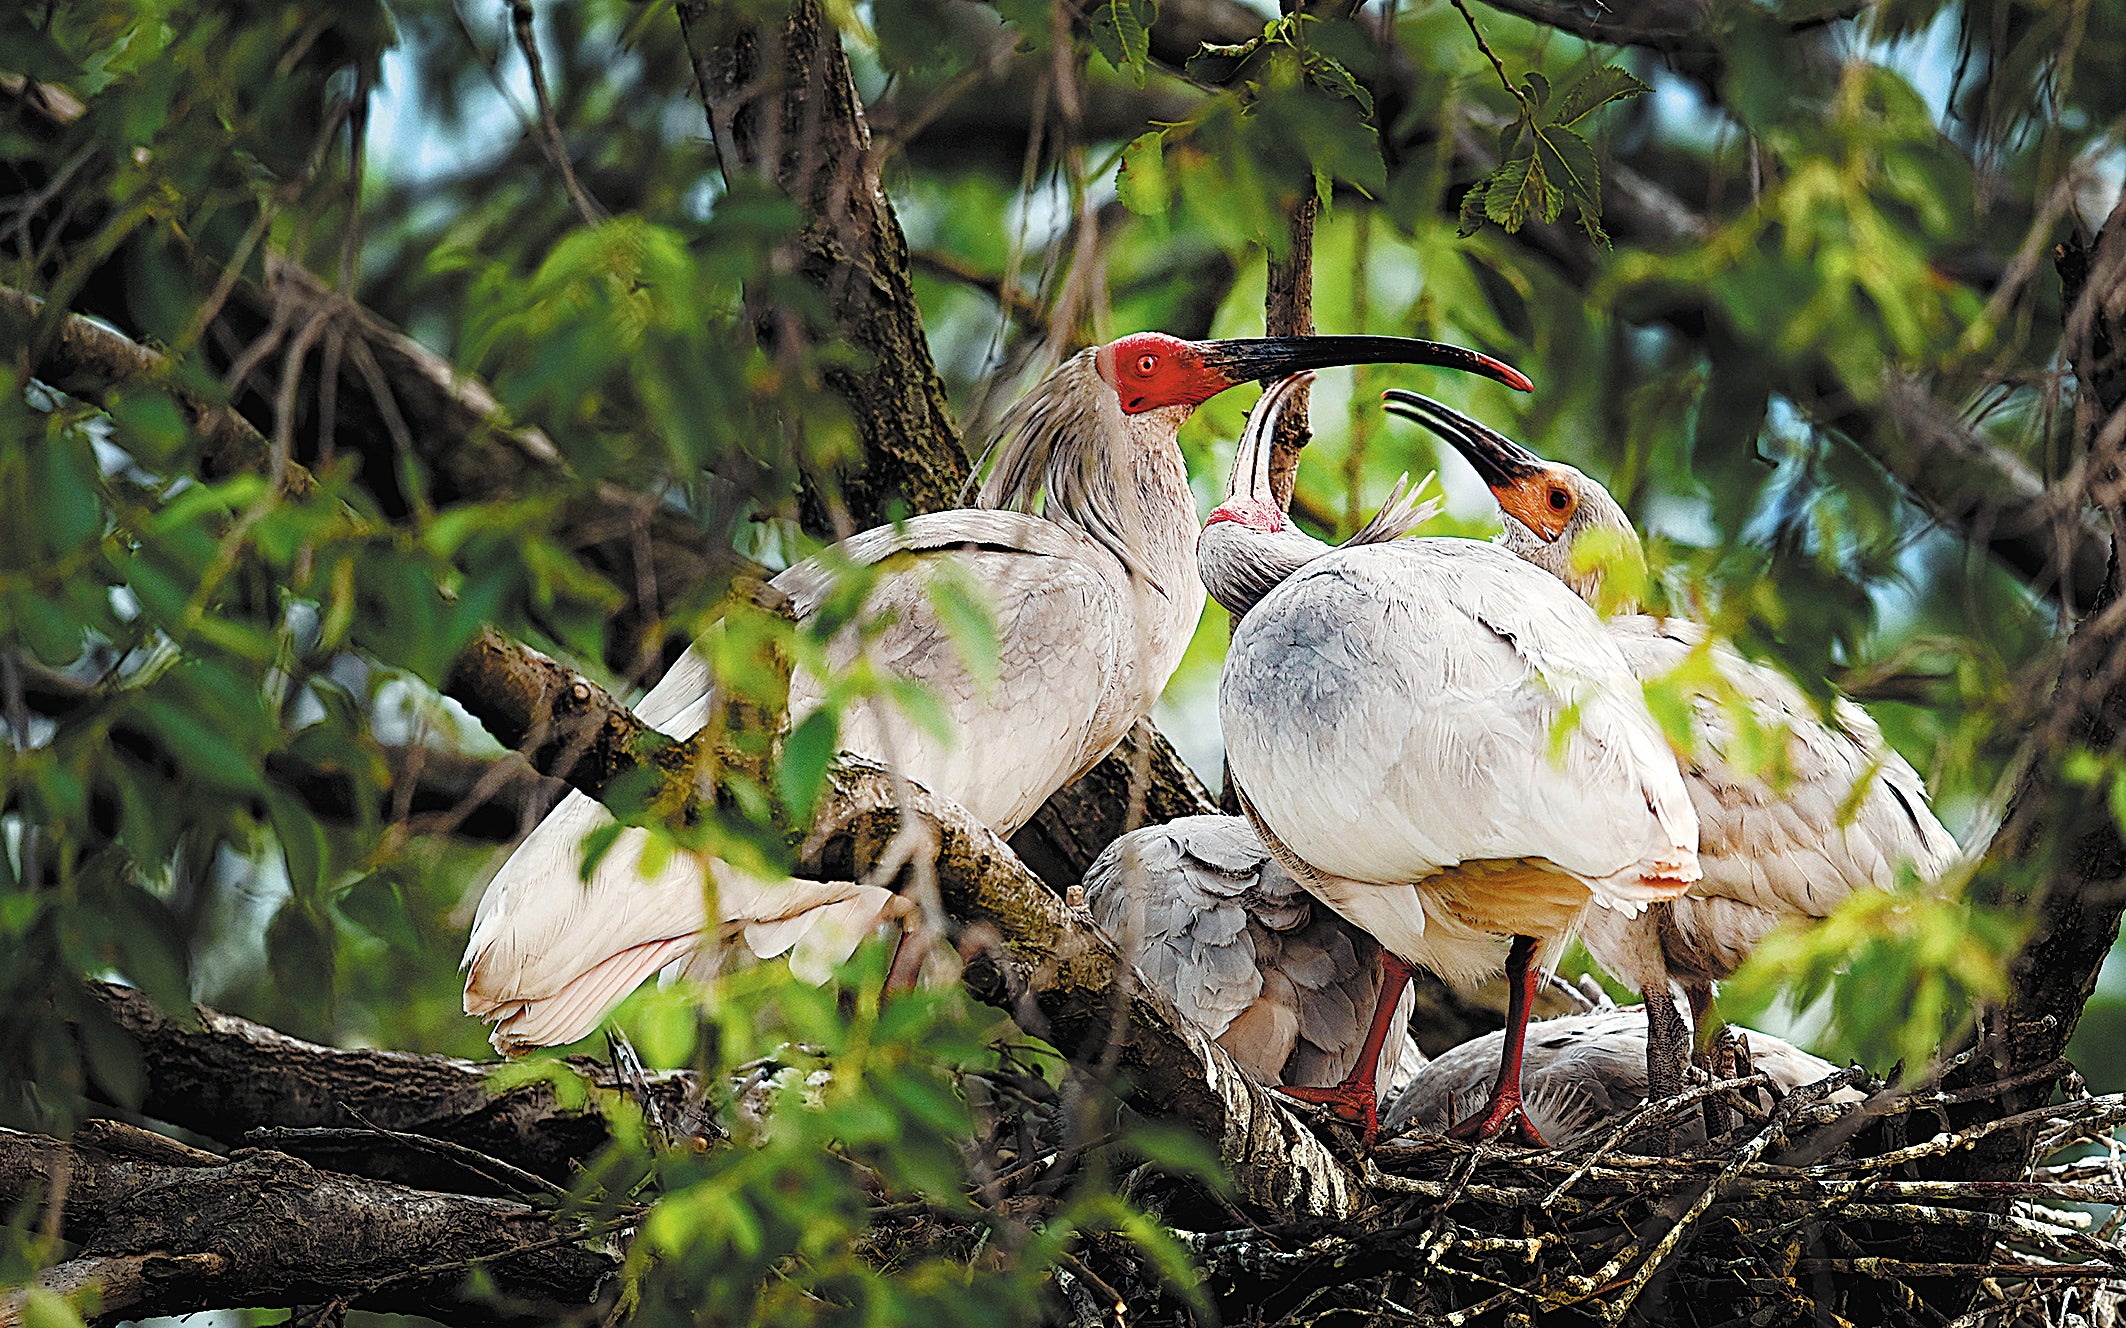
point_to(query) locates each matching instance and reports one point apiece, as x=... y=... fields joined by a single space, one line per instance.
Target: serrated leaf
x=1140 y=181
x=1537 y=88
x=1121 y=32
x=1601 y=87
x=1330 y=75
x=1575 y=165
x=1471 y=219
x=1516 y=190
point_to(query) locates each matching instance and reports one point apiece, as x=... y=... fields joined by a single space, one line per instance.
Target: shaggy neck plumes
x=1067 y=452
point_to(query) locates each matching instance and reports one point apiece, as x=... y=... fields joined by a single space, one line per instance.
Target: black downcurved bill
x=1260 y=358
x=1495 y=457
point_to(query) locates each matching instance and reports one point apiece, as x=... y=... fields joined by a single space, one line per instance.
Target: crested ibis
x=1844 y=811
x=1083 y=540
x=1440 y=742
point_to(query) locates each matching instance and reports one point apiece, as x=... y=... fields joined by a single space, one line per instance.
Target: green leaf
x=1516 y=190
x=806 y=754
x=1140 y=181
x=1121 y=32
x=1537 y=89
x=1329 y=74
x=1601 y=87
x=1573 y=163
x=1471 y=218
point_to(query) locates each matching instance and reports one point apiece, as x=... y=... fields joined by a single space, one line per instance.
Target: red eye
x=1145 y=365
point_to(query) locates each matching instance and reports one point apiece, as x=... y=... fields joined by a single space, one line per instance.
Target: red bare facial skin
x=1256 y=516
x=1149 y=370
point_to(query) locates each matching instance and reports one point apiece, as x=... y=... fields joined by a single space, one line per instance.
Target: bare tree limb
x=222 y=1077
x=262 y=1228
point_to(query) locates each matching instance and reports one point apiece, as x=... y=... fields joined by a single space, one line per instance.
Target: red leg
x=1505 y=1108
x=1356 y=1099
x=910 y=951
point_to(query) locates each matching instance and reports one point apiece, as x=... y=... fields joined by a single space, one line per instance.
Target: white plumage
x=1441 y=742
x=1094 y=600
x=1839 y=812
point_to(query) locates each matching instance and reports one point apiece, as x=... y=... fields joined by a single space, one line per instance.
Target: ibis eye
x=1559 y=500
x=1147 y=363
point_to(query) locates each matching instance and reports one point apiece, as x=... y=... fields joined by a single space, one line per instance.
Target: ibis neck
x=1240 y=565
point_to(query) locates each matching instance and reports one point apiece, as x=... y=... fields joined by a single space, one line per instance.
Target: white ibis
x=1583 y=1072
x=1441 y=742
x=1283 y=984
x=1842 y=812
x=1093 y=600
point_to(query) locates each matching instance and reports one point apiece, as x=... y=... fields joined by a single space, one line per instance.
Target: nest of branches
x=1834 y=1204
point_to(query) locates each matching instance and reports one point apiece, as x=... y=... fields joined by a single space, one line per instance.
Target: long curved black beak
x=1251 y=455
x=1243 y=359
x=1498 y=459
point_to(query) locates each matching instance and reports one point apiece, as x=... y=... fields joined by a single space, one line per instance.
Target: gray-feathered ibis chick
x=1844 y=812
x=1583 y=1072
x=1441 y=742
x=1094 y=599
x=1283 y=984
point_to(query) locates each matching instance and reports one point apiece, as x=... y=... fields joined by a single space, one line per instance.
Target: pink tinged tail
x=574 y=1009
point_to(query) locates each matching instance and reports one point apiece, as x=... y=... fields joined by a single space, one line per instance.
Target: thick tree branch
x=782 y=106
x=1054 y=970
x=159 y=1235
x=87 y=359
x=1049 y=965
x=221 y=1077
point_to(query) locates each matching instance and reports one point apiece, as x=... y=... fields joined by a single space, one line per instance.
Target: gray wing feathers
x=1581 y=1072
x=1284 y=985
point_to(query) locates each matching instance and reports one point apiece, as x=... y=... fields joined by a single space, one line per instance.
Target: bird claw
x=1350 y=1102
x=1505 y=1113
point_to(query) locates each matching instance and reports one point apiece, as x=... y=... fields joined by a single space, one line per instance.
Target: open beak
x=1513 y=473
x=1258 y=359
x=1251 y=455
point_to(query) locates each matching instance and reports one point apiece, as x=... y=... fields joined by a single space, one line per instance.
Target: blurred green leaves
x=1900 y=974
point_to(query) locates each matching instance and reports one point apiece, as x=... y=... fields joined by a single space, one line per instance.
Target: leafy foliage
x=1545 y=159
x=220 y=684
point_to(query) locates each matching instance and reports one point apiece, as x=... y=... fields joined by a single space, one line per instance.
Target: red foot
x=1504 y=1112
x=1349 y=1101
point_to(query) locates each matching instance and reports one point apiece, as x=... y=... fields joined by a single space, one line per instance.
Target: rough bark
x=161 y=1232
x=88 y=360
x=782 y=106
x=2060 y=858
x=1063 y=979
x=222 y=1077
x=1288 y=311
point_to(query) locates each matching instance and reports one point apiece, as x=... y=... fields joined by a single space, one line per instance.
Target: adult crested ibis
x=1442 y=743
x=1093 y=598
x=1583 y=1072
x=1842 y=812
x=1282 y=983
